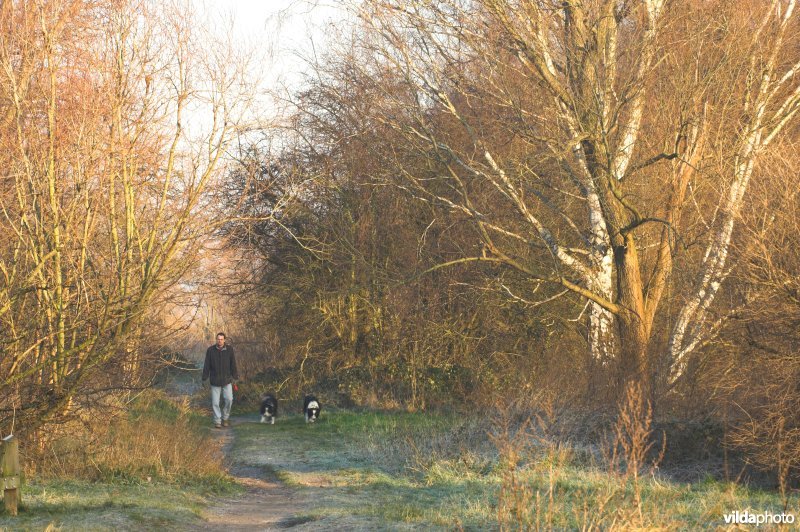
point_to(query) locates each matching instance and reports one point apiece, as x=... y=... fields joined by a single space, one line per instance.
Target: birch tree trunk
x=770 y=105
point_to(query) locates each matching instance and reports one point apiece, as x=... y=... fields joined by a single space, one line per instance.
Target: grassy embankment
x=392 y=470
x=154 y=467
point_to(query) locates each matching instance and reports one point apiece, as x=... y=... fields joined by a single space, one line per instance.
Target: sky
x=281 y=36
x=280 y=32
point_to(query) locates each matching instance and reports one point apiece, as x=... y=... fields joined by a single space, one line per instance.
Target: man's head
x=220 y=339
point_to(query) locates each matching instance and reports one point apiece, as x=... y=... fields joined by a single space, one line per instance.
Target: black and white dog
x=311 y=408
x=269 y=409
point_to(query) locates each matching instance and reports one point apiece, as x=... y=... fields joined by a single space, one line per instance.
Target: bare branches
x=101 y=194
x=763 y=123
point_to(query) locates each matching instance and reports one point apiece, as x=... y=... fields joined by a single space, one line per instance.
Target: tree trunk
x=633 y=323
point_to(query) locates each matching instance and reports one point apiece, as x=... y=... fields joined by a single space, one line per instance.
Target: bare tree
x=104 y=178
x=573 y=136
x=770 y=100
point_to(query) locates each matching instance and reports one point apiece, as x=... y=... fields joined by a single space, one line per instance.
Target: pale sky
x=280 y=36
x=280 y=32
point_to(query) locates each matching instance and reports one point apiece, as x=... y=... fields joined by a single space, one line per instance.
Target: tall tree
x=103 y=182
x=595 y=123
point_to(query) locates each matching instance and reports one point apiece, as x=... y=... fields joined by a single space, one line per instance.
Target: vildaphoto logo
x=763 y=518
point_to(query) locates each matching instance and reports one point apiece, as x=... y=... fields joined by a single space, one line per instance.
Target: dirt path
x=266 y=505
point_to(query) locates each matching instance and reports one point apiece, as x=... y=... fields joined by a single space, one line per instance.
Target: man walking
x=220 y=365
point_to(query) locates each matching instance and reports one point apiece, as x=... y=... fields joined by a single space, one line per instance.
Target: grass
x=379 y=470
x=351 y=465
x=157 y=466
x=88 y=505
x=399 y=470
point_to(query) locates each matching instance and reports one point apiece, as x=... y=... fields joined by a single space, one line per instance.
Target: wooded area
x=486 y=200
x=103 y=184
x=470 y=202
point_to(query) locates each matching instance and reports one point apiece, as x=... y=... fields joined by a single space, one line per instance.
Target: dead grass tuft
x=153 y=438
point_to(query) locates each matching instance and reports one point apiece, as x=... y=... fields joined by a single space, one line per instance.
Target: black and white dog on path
x=269 y=409
x=311 y=408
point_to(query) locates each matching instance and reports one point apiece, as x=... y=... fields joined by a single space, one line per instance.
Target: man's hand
x=204 y=384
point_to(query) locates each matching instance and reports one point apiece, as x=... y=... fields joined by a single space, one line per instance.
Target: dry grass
x=540 y=476
x=152 y=437
x=395 y=470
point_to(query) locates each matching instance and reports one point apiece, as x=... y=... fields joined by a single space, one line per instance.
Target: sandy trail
x=266 y=505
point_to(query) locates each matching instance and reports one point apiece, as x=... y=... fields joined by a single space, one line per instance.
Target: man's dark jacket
x=220 y=365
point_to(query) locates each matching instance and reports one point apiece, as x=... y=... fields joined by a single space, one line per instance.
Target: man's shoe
x=226 y=423
x=217 y=426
